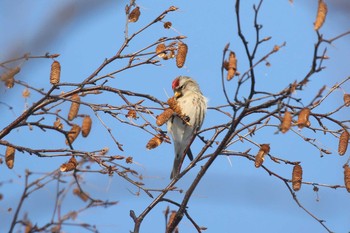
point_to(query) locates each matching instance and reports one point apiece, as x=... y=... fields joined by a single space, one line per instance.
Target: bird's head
x=183 y=84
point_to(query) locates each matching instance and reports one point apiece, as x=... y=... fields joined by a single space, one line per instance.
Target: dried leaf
x=286 y=122
x=321 y=14
x=55 y=73
x=303 y=118
x=86 y=126
x=10 y=156
x=297 y=177
x=343 y=142
x=74 y=108
x=181 y=54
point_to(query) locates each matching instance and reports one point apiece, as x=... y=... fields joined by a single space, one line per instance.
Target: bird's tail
x=176 y=166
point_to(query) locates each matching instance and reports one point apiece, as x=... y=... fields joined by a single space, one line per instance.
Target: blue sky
x=234 y=196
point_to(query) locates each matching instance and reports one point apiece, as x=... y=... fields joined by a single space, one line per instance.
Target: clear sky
x=234 y=196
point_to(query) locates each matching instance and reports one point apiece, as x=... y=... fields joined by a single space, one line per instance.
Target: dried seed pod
x=73 y=133
x=167 y=25
x=70 y=166
x=82 y=195
x=74 y=108
x=182 y=49
x=86 y=126
x=131 y=114
x=259 y=158
x=303 y=118
x=321 y=14
x=286 y=122
x=10 y=156
x=134 y=15
x=55 y=73
x=26 y=93
x=154 y=142
x=159 y=50
x=347 y=177
x=231 y=66
x=57 y=124
x=164 y=116
x=346 y=98
x=297 y=177
x=174 y=105
x=343 y=142
x=9 y=77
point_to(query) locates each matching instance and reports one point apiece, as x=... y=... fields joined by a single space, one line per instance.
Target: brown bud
x=55 y=73
x=343 y=142
x=154 y=142
x=57 y=124
x=297 y=177
x=346 y=98
x=303 y=118
x=10 y=156
x=259 y=158
x=181 y=54
x=347 y=177
x=231 y=66
x=9 y=77
x=286 y=122
x=159 y=50
x=74 y=108
x=167 y=25
x=73 y=133
x=134 y=15
x=26 y=93
x=164 y=116
x=86 y=126
x=321 y=14
x=82 y=195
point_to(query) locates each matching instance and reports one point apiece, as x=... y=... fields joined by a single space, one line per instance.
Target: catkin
x=55 y=73
x=73 y=134
x=74 y=108
x=297 y=177
x=286 y=122
x=343 y=142
x=70 y=166
x=347 y=177
x=164 y=116
x=259 y=158
x=159 y=50
x=154 y=142
x=86 y=126
x=134 y=15
x=10 y=156
x=346 y=99
x=181 y=54
x=231 y=66
x=303 y=118
x=321 y=14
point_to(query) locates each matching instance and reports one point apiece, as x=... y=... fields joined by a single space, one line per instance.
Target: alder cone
x=343 y=142
x=259 y=158
x=321 y=14
x=347 y=177
x=10 y=156
x=286 y=122
x=55 y=73
x=86 y=126
x=74 y=108
x=181 y=54
x=303 y=118
x=346 y=98
x=297 y=177
x=134 y=15
x=154 y=142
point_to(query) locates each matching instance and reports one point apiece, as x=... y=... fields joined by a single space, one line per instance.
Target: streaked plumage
x=193 y=104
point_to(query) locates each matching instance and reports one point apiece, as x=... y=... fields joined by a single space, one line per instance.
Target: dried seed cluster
x=343 y=142
x=55 y=73
x=321 y=14
x=73 y=134
x=164 y=116
x=346 y=98
x=286 y=122
x=297 y=176
x=154 y=142
x=259 y=158
x=74 y=108
x=10 y=156
x=231 y=66
x=9 y=77
x=86 y=126
x=303 y=118
x=347 y=177
x=70 y=166
x=182 y=50
x=134 y=15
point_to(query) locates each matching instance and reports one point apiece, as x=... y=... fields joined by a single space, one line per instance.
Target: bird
x=193 y=106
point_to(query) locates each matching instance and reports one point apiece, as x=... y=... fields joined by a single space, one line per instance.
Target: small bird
x=193 y=105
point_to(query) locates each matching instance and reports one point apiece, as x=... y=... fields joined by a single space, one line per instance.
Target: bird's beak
x=177 y=94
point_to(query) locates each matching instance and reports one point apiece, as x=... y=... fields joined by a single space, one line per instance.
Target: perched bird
x=193 y=106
